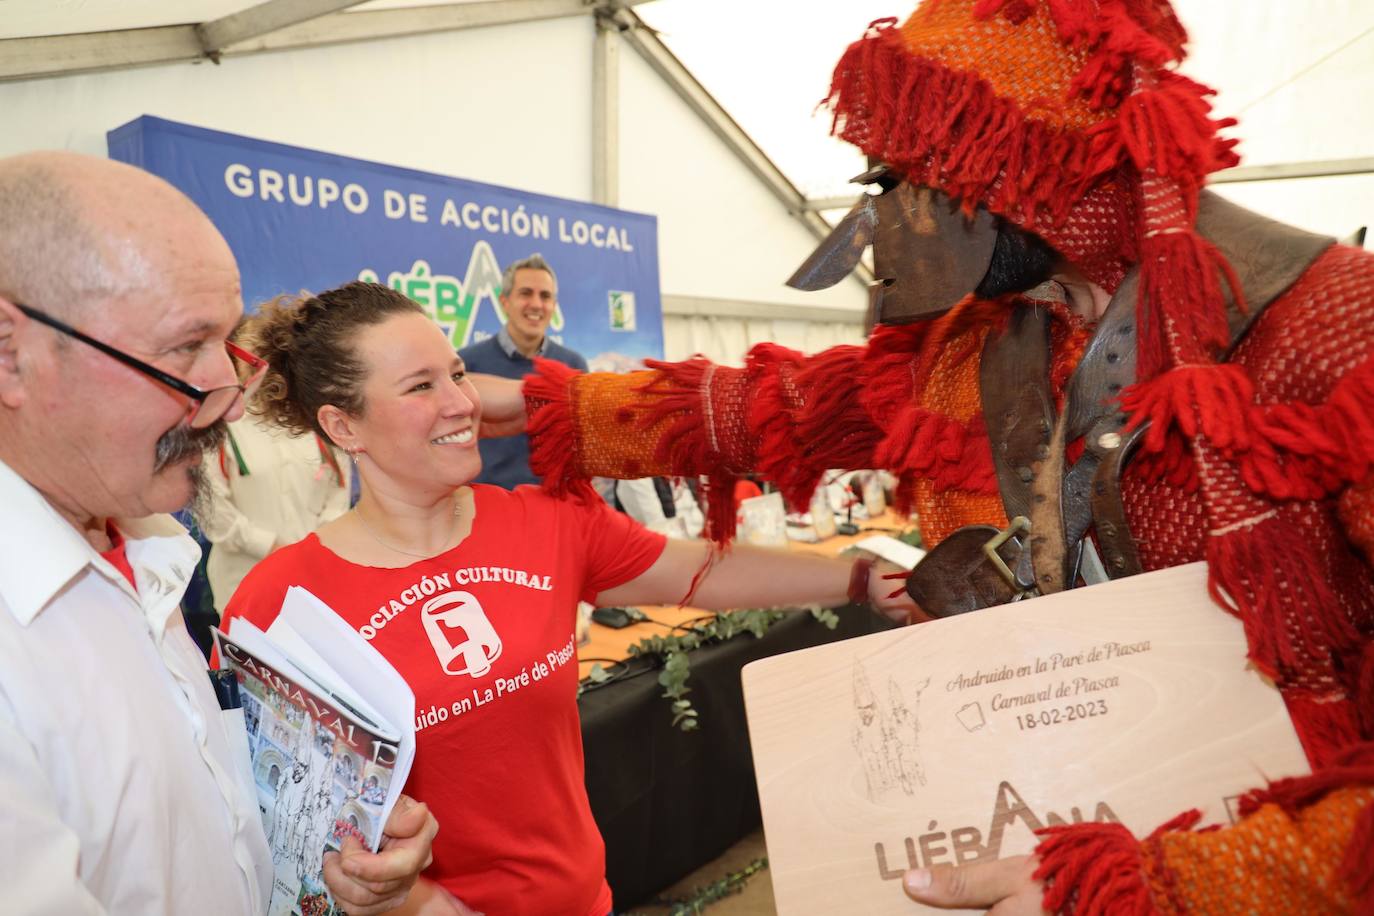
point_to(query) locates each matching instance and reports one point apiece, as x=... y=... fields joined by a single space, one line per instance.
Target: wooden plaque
x=949 y=742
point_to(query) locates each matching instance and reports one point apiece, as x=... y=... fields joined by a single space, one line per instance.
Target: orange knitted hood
x=1064 y=117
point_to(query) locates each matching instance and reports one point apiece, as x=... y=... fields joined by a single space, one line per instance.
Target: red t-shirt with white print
x=484 y=636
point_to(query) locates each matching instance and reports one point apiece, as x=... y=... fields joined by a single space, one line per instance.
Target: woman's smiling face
x=420 y=414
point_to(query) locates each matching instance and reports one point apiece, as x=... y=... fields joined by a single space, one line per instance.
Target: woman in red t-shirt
x=471 y=593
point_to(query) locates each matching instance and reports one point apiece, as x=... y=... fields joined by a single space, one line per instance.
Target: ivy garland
x=671 y=652
x=714 y=892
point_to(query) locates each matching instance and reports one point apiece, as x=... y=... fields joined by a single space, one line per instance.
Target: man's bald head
x=78 y=229
x=130 y=261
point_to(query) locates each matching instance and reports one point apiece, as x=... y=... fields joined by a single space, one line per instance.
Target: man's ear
x=338 y=426
x=12 y=321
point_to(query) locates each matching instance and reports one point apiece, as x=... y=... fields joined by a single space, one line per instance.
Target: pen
x=226 y=687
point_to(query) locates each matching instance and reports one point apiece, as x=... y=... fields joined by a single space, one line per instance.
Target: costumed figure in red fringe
x=1070 y=329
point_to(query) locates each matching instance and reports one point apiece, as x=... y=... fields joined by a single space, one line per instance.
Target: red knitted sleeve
x=1304 y=846
x=783 y=415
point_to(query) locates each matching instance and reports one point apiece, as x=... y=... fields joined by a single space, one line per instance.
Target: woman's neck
x=383 y=530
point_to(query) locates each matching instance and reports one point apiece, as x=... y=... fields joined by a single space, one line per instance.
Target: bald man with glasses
x=118 y=789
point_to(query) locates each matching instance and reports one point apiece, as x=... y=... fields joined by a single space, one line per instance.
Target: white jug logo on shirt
x=460 y=615
x=463 y=638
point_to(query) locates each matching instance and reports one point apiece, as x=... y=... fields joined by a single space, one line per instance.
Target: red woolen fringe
x=677 y=392
x=1174 y=465
x=1181 y=312
x=1263 y=570
x=904 y=497
x=680 y=392
x=772 y=419
x=1167 y=130
x=918 y=441
x=952 y=455
x=1212 y=400
x=894 y=354
x=553 y=435
x=1283 y=451
x=890 y=366
x=949 y=129
x=1354 y=766
x=1122 y=38
x=1146 y=30
x=833 y=433
x=1097 y=869
x=1117 y=33
x=1326 y=726
x=1308 y=452
x=718 y=494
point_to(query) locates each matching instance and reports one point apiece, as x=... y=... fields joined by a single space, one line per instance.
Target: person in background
x=529 y=296
x=267 y=488
x=117 y=785
x=470 y=591
x=661 y=504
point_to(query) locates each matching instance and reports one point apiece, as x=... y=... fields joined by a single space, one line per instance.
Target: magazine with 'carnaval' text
x=328 y=759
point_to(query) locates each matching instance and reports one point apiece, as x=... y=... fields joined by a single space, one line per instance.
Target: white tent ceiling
x=1298 y=75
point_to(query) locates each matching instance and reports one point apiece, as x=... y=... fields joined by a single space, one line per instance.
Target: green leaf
x=705 y=896
x=826 y=616
x=672 y=652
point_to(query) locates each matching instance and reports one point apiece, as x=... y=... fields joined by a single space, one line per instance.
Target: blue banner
x=301 y=219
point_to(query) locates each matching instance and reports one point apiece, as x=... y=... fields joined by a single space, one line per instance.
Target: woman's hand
x=366 y=883
x=885 y=579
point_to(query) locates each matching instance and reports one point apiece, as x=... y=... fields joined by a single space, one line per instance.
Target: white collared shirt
x=507 y=344
x=118 y=791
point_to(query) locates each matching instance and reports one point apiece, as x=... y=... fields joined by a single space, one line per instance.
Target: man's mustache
x=183 y=442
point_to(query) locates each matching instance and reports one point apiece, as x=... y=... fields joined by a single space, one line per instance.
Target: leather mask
x=927 y=254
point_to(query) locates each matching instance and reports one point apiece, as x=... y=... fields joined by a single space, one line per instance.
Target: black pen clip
x=226 y=686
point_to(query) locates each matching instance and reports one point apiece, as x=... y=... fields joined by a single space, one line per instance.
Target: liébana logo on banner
x=450 y=302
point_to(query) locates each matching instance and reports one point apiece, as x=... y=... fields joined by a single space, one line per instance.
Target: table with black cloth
x=669 y=801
